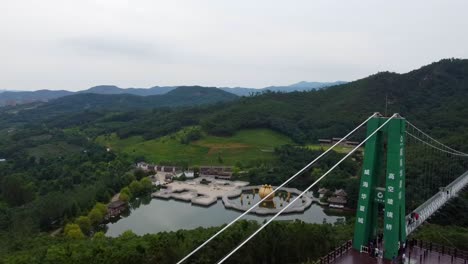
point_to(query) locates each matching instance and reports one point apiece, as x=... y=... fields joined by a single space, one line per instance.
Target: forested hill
x=24 y=97
x=181 y=96
x=433 y=97
x=55 y=170
x=112 y=89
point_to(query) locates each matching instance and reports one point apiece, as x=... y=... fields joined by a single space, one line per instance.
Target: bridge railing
x=444 y=250
x=429 y=207
x=338 y=252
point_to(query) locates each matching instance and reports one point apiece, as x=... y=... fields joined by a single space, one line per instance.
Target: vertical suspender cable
x=434 y=169
x=423 y=176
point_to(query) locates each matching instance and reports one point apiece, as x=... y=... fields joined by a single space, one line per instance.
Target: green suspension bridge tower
x=383 y=186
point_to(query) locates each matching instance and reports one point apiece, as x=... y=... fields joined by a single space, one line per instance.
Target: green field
x=245 y=146
x=339 y=149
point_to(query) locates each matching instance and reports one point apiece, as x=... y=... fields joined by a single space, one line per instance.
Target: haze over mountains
x=434 y=92
x=20 y=97
x=180 y=96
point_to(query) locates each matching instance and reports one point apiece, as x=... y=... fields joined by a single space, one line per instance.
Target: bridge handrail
x=436 y=201
x=445 y=250
x=448 y=187
x=336 y=253
x=457 y=180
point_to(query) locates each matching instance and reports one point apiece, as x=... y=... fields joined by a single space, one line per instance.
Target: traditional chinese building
x=115 y=208
x=218 y=172
x=338 y=200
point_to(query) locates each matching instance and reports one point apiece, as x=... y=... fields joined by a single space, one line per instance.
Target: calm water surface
x=169 y=215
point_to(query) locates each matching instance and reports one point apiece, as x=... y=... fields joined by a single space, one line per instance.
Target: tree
x=136 y=188
x=16 y=191
x=124 y=197
x=73 y=231
x=101 y=207
x=126 y=191
x=75 y=234
x=95 y=216
x=84 y=223
x=139 y=174
x=146 y=184
x=126 y=235
x=56 y=254
x=99 y=235
x=352 y=189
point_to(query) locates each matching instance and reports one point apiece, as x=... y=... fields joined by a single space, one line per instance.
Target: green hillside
x=433 y=97
x=244 y=146
x=42 y=189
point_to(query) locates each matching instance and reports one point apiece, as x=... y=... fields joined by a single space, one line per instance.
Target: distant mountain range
x=300 y=86
x=78 y=102
x=111 y=89
x=21 y=97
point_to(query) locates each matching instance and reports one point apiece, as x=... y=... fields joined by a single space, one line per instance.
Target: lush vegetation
x=453 y=236
x=41 y=190
x=58 y=170
x=432 y=97
x=40 y=193
x=449 y=226
x=280 y=242
x=192 y=147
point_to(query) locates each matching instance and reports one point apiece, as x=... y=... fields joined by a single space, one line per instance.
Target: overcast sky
x=73 y=45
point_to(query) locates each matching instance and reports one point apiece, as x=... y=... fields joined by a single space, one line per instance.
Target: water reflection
x=251 y=197
x=148 y=215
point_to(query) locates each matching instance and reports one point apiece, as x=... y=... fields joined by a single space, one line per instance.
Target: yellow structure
x=264 y=191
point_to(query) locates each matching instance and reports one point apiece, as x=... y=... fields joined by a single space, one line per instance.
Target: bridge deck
x=417 y=256
x=429 y=207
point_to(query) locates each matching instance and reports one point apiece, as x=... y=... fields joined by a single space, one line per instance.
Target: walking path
x=197 y=193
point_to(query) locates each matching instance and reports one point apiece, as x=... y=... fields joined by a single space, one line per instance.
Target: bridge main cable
x=277 y=188
x=435 y=140
x=306 y=190
x=456 y=152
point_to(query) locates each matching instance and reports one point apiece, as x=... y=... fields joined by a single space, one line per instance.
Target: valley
x=64 y=160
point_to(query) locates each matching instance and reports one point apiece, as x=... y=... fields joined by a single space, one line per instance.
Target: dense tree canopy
x=55 y=174
x=280 y=242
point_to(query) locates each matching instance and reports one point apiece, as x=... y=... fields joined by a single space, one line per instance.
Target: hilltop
x=22 y=97
x=15 y=97
x=181 y=96
x=433 y=97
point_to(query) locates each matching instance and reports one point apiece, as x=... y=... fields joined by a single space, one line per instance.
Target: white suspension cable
x=443 y=150
x=277 y=188
x=435 y=140
x=306 y=190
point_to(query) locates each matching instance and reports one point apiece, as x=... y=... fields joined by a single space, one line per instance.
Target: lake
x=155 y=215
